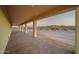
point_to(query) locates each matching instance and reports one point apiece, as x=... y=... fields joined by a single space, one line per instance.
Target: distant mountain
x=55 y=27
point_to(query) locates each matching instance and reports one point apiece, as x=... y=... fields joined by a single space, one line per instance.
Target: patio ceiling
x=22 y=14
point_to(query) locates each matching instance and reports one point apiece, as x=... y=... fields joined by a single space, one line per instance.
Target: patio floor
x=24 y=43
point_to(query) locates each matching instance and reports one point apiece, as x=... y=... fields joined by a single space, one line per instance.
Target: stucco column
x=77 y=27
x=20 y=27
x=25 y=28
x=34 y=28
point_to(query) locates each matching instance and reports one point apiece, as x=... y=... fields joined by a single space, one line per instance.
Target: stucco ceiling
x=20 y=14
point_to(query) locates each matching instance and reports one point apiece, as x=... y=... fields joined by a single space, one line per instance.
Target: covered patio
x=22 y=41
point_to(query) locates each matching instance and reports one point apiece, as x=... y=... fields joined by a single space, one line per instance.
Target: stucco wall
x=5 y=31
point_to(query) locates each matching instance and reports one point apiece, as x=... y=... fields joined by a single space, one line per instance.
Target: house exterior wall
x=5 y=31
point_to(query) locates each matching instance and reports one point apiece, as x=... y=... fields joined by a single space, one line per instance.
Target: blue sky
x=67 y=18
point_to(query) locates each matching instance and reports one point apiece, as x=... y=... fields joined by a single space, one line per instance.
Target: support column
x=77 y=27
x=20 y=27
x=34 y=28
x=25 y=28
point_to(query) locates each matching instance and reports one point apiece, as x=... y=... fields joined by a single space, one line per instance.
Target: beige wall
x=5 y=31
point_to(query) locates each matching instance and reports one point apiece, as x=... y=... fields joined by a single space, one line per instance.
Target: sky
x=67 y=18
